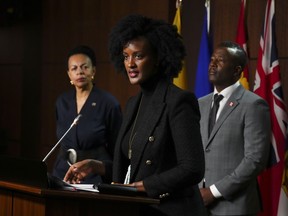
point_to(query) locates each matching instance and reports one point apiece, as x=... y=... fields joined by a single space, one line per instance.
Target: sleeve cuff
x=215 y=191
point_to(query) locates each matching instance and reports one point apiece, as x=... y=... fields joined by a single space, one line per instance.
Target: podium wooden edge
x=20 y=187
x=46 y=192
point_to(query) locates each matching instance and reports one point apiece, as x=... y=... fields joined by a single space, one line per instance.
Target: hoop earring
x=71 y=82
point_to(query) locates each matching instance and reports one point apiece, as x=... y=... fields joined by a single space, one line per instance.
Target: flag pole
x=178 y=4
x=207 y=5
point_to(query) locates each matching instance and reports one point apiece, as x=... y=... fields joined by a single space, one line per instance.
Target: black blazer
x=96 y=133
x=167 y=151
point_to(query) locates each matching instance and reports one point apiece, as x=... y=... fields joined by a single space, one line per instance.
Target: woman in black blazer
x=159 y=149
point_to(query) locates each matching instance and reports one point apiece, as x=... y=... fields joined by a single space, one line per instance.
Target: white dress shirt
x=227 y=92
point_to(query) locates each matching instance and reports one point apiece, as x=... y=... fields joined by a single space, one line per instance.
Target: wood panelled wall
x=35 y=43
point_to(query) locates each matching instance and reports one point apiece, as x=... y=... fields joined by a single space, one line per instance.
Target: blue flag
x=202 y=85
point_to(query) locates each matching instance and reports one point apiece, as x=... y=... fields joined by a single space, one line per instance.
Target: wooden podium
x=33 y=198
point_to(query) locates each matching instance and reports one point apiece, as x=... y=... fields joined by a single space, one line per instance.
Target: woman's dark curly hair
x=162 y=36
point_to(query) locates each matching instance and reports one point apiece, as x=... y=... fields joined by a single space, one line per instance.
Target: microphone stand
x=74 y=123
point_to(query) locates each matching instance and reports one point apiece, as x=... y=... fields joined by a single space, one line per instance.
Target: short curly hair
x=85 y=50
x=162 y=36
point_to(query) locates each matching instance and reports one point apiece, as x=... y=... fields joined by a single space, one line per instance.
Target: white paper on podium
x=85 y=187
x=80 y=187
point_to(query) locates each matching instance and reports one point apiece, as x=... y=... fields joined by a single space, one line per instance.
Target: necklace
x=132 y=135
x=131 y=138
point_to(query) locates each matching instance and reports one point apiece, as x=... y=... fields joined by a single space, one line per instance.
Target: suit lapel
x=152 y=115
x=228 y=108
x=206 y=107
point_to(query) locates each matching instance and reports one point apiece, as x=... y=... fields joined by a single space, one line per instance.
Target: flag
x=268 y=86
x=241 y=40
x=202 y=85
x=181 y=80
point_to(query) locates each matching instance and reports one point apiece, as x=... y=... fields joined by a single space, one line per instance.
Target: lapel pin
x=94 y=104
x=231 y=104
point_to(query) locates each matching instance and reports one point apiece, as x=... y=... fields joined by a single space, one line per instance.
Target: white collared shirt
x=227 y=92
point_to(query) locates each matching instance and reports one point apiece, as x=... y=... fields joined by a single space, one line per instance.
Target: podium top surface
x=30 y=176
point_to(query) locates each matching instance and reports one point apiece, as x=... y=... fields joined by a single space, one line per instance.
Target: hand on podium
x=122 y=189
x=78 y=171
x=138 y=185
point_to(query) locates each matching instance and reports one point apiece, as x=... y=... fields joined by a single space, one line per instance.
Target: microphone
x=73 y=123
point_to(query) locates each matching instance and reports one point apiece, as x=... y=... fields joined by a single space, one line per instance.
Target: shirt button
x=148 y=162
x=207 y=150
x=151 y=139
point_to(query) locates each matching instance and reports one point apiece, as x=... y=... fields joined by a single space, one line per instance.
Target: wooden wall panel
x=11 y=41
x=224 y=19
x=10 y=109
x=255 y=18
x=281 y=23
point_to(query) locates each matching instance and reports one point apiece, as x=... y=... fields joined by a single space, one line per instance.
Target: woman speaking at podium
x=95 y=134
x=159 y=149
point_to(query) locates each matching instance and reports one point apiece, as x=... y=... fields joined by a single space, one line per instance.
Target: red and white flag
x=268 y=85
x=241 y=40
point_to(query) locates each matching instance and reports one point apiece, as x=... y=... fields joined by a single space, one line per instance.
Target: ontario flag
x=241 y=40
x=273 y=181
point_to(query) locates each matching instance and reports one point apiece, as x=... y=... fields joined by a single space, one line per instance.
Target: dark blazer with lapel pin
x=236 y=151
x=96 y=132
x=167 y=151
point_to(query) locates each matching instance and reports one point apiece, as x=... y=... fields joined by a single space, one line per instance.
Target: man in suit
x=237 y=145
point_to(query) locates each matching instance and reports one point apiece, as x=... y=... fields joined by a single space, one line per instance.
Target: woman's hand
x=138 y=185
x=78 y=171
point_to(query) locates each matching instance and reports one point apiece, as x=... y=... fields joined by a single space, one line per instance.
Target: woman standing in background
x=95 y=134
